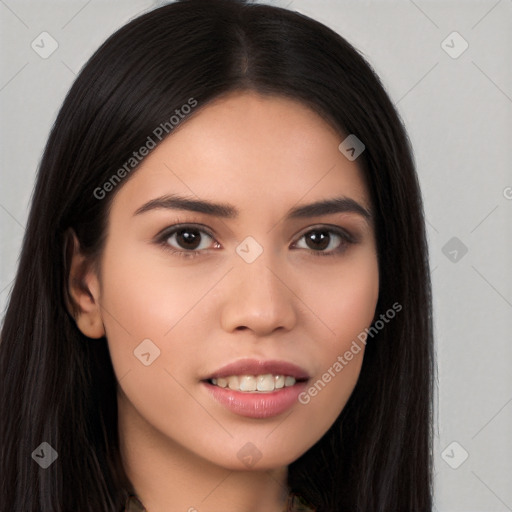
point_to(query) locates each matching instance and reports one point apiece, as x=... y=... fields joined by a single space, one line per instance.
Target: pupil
x=319 y=236
x=185 y=238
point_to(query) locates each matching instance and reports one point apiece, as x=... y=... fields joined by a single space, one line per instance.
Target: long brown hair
x=58 y=386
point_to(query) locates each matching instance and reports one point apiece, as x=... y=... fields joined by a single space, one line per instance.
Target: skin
x=263 y=155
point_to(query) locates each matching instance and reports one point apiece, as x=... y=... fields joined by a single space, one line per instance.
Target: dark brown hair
x=58 y=386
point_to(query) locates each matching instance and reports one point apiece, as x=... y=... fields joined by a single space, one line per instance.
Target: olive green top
x=294 y=504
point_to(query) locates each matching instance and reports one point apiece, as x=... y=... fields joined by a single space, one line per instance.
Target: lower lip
x=258 y=404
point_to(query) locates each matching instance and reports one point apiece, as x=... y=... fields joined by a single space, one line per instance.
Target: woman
x=223 y=297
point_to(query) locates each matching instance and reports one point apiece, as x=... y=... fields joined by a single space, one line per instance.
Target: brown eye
x=185 y=240
x=325 y=241
x=318 y=240
x=188 y=238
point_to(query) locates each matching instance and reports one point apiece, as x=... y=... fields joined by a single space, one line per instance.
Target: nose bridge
x=259 y=298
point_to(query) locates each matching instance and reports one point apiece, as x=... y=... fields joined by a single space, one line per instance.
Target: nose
x=259 y=297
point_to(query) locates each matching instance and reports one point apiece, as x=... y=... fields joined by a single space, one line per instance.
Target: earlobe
x=83 y=290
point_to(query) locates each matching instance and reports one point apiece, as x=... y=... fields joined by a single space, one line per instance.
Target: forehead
x=250 y=150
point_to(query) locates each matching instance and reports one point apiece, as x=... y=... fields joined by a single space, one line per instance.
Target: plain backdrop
x=456 y=103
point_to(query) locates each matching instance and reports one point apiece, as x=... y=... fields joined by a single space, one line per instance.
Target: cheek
x=147 y=294
x=346 y=307
x=344 y=298
x=142 y=300
x=147 y=309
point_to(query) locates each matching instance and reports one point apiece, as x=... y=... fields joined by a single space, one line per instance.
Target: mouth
x=257 y=389
x=265 y=383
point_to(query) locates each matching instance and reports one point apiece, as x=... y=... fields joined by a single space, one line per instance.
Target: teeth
x=247 y=383
x=265 y=383
x=222 y=382
x=279 y=381
x=233 y=383
x=255 y=383
x=289 y=381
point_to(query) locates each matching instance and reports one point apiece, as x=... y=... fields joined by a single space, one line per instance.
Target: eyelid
x=351 y=237
x=170 y=229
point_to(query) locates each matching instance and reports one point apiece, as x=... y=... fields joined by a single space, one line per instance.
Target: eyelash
x=163 y=237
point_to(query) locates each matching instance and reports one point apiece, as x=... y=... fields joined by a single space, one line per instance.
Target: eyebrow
x=226 y=211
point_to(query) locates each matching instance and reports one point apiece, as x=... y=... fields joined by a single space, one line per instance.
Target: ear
x=83 y=290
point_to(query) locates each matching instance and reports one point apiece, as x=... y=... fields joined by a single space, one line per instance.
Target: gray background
x=458 y=112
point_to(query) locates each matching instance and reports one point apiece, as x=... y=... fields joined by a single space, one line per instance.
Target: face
x=281 y=296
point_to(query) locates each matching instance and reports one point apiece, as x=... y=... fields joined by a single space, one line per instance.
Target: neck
x=166 y=476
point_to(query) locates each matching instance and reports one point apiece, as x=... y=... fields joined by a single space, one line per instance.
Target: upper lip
x=257 y=367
